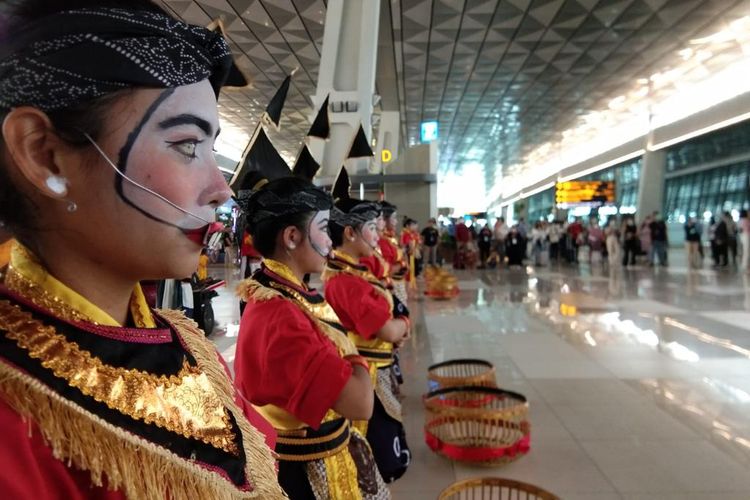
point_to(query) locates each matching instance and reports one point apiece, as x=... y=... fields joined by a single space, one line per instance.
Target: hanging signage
x=386 y=155
x=429 y=131
x=584 y=193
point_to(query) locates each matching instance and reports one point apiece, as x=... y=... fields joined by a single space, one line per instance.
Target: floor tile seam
x=577 y=443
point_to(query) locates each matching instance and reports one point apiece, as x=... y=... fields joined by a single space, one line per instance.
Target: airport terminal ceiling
x=508 y=81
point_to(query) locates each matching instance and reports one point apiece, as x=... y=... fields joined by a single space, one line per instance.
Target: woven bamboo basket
x=479 y=425
x=461 y=372
x=494 y=488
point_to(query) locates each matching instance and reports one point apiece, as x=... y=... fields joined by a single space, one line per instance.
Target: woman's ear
x=36 y=150
x=291 y=238
x=349 y=234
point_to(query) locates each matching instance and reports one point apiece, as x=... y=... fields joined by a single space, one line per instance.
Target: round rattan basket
x=461 y=372
x=480 y=425
x=494 y=488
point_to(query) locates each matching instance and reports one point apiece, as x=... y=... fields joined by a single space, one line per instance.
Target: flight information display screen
x=584 y=193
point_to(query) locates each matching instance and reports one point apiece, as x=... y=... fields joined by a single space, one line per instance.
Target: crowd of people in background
x=619 y=241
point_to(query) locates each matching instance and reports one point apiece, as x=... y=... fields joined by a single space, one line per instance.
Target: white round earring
x=57 y=184
x=292 y=246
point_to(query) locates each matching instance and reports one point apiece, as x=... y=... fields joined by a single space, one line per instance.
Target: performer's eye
x=186 y=147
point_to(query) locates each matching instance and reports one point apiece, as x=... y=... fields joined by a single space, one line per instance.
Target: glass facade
x=541 y=205
x=721 y=188
x=716 y=190
x=715 y=146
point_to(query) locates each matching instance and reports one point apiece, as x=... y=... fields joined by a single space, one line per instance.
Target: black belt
x=377 y=355
x=308 y=444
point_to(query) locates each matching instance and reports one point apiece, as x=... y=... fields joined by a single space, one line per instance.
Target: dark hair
x=265 y=232
x=337 y=231
x=16 y=210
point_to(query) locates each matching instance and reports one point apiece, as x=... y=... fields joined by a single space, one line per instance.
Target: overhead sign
x=588 y=193
x=386 y=155
x=429 y=131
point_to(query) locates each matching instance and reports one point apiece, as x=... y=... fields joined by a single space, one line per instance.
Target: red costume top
x=283 y=359
x=392 y=253
x=378 y=266
x=291 y=364
x=359 y=306
x=463 y=235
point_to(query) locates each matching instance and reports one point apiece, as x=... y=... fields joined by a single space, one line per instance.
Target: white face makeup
x=369 y=233
x=170 y=152
x=392 y=221
x=318 y=234
x=380 y=222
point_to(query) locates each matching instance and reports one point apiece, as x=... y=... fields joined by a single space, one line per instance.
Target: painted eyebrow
x=188 y=119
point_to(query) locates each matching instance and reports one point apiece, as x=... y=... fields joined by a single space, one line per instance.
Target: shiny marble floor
x=638 y=379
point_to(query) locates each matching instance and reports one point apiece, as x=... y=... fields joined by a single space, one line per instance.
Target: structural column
x=651 y=183
x=347 y=73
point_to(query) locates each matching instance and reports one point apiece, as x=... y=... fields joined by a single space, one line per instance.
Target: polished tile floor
x=638 y=379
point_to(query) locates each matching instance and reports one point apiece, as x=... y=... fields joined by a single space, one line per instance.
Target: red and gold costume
x=90 y=408
x=364 y=306
x=394 y=256
x=290 y=364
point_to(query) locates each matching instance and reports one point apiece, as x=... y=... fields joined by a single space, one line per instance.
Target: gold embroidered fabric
x=185 y=404
x=283 y=270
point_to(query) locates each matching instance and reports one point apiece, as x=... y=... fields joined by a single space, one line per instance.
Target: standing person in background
x=595 y=239
x=630 y=242
x=693 y=242
x=612 y=234
x=574 y=232
x=229 y=254
x=522 y=229
x=107 y=178
x=645 y=236
x=463 y=238
x=659 y=240
x=515 y=247
x=732 y=236
x=499 y=233
x=745 y=239
x=554 y=232
x=430 y=239
x=538 y=243
x=484 y=242
x=712 y=226
x=721 y=237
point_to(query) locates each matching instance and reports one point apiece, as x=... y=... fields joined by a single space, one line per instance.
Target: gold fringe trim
x=260 y=459
x=168 y=402
x=138 y=468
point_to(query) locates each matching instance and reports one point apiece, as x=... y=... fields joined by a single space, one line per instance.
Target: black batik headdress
x=78 y=55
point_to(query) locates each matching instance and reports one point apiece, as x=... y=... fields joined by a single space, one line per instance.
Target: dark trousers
x=630 y=250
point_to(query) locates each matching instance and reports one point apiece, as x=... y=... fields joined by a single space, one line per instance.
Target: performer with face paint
x=107 y=177
x=294 y=360
x=376 y=322
x=392 y=252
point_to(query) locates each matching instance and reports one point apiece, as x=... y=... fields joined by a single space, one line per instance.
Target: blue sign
x=429 y=131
